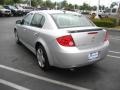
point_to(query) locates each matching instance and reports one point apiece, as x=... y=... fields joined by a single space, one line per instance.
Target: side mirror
x=18 y=21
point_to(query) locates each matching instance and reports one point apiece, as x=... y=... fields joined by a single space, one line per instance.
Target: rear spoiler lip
x=85 y=30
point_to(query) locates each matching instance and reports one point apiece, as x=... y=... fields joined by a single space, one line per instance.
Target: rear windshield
x=12 y=7
x=65 y=20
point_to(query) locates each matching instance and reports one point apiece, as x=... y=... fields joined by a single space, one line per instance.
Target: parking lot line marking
x=113 y=56
x=114 y=52
x=43 y=78
x=115 y=38
x=10 y=84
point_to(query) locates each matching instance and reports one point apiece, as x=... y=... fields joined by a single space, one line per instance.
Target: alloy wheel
x=41 y=58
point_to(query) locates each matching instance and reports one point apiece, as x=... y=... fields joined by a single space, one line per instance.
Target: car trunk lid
x=88 y=37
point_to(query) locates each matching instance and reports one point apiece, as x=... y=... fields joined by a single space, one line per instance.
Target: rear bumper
x=73 y=57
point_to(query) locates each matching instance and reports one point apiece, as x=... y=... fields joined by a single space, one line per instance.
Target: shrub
x=119 y=22
x=105 y=22
x=114 y=20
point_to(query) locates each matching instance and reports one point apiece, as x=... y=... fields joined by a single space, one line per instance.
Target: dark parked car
x=4 y=12
x=14 y=10
x=21 y=9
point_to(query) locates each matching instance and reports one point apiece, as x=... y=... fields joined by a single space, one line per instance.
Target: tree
x=40 y=2
x=118 y=11
x=8 y=2
x=113 y=4
x=85 y=6
x=1 y=2
x=70 y=7
x=49 y=4
x=102 y=7
x=36 y=3
x=16 y=1
x=64 y=4
x=94 y=8
x=76 y=6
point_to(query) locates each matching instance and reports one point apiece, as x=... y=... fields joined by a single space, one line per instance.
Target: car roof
x=53 y=11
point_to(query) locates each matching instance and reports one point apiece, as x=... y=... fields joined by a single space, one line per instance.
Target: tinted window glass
x=12 y=7
x=42 y=21
x=38 y=20
x=6 y=7
x=27 y=19
x=71 y=20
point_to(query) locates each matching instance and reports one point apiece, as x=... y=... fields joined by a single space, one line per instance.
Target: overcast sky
x=91 y=2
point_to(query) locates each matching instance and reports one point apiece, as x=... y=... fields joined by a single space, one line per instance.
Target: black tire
x=16 y=37
x=42 y=58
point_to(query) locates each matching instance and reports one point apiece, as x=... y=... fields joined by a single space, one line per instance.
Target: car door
x=35 y=28
x=24 y=26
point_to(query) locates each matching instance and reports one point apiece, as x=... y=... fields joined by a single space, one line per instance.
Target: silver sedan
x=62 y=38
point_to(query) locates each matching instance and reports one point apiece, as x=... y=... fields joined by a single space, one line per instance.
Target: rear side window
x=38 y=20
x=66 y=20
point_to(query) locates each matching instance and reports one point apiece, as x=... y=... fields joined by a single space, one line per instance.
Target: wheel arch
x=44 y=45
x=15 y=29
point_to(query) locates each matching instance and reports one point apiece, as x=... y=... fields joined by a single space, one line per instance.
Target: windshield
x=12 y=7
x=19 y=7
x=65 y=20
x=1 y=7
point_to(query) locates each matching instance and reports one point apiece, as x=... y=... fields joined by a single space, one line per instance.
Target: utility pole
x=74 y=8
x=118 y=14
x=97 y=13
x=56 y=6
x=30 y=3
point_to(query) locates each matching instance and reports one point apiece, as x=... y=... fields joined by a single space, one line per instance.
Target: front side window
x=66 y=20
x=38 y=20
x=27 y=19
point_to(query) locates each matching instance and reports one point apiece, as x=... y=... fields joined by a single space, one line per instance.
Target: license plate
x=93 y=56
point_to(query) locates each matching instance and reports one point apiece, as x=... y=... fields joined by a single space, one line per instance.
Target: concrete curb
x=113 y=29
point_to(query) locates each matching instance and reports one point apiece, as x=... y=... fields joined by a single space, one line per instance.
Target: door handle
x=35 y=34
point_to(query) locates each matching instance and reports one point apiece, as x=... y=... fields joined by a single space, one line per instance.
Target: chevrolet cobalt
x=63 y=39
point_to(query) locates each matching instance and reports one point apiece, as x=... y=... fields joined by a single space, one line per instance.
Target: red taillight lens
x=106 y=36
x=66 y=41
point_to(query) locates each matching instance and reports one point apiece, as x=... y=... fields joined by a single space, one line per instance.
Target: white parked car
x=62 y=38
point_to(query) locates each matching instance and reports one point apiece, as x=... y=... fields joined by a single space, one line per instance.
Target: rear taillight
x=66 y=41
x=106 y=36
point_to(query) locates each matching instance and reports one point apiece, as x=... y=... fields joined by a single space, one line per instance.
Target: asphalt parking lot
x=19 y=69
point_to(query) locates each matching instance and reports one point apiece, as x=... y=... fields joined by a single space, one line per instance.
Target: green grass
x=117 y=27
